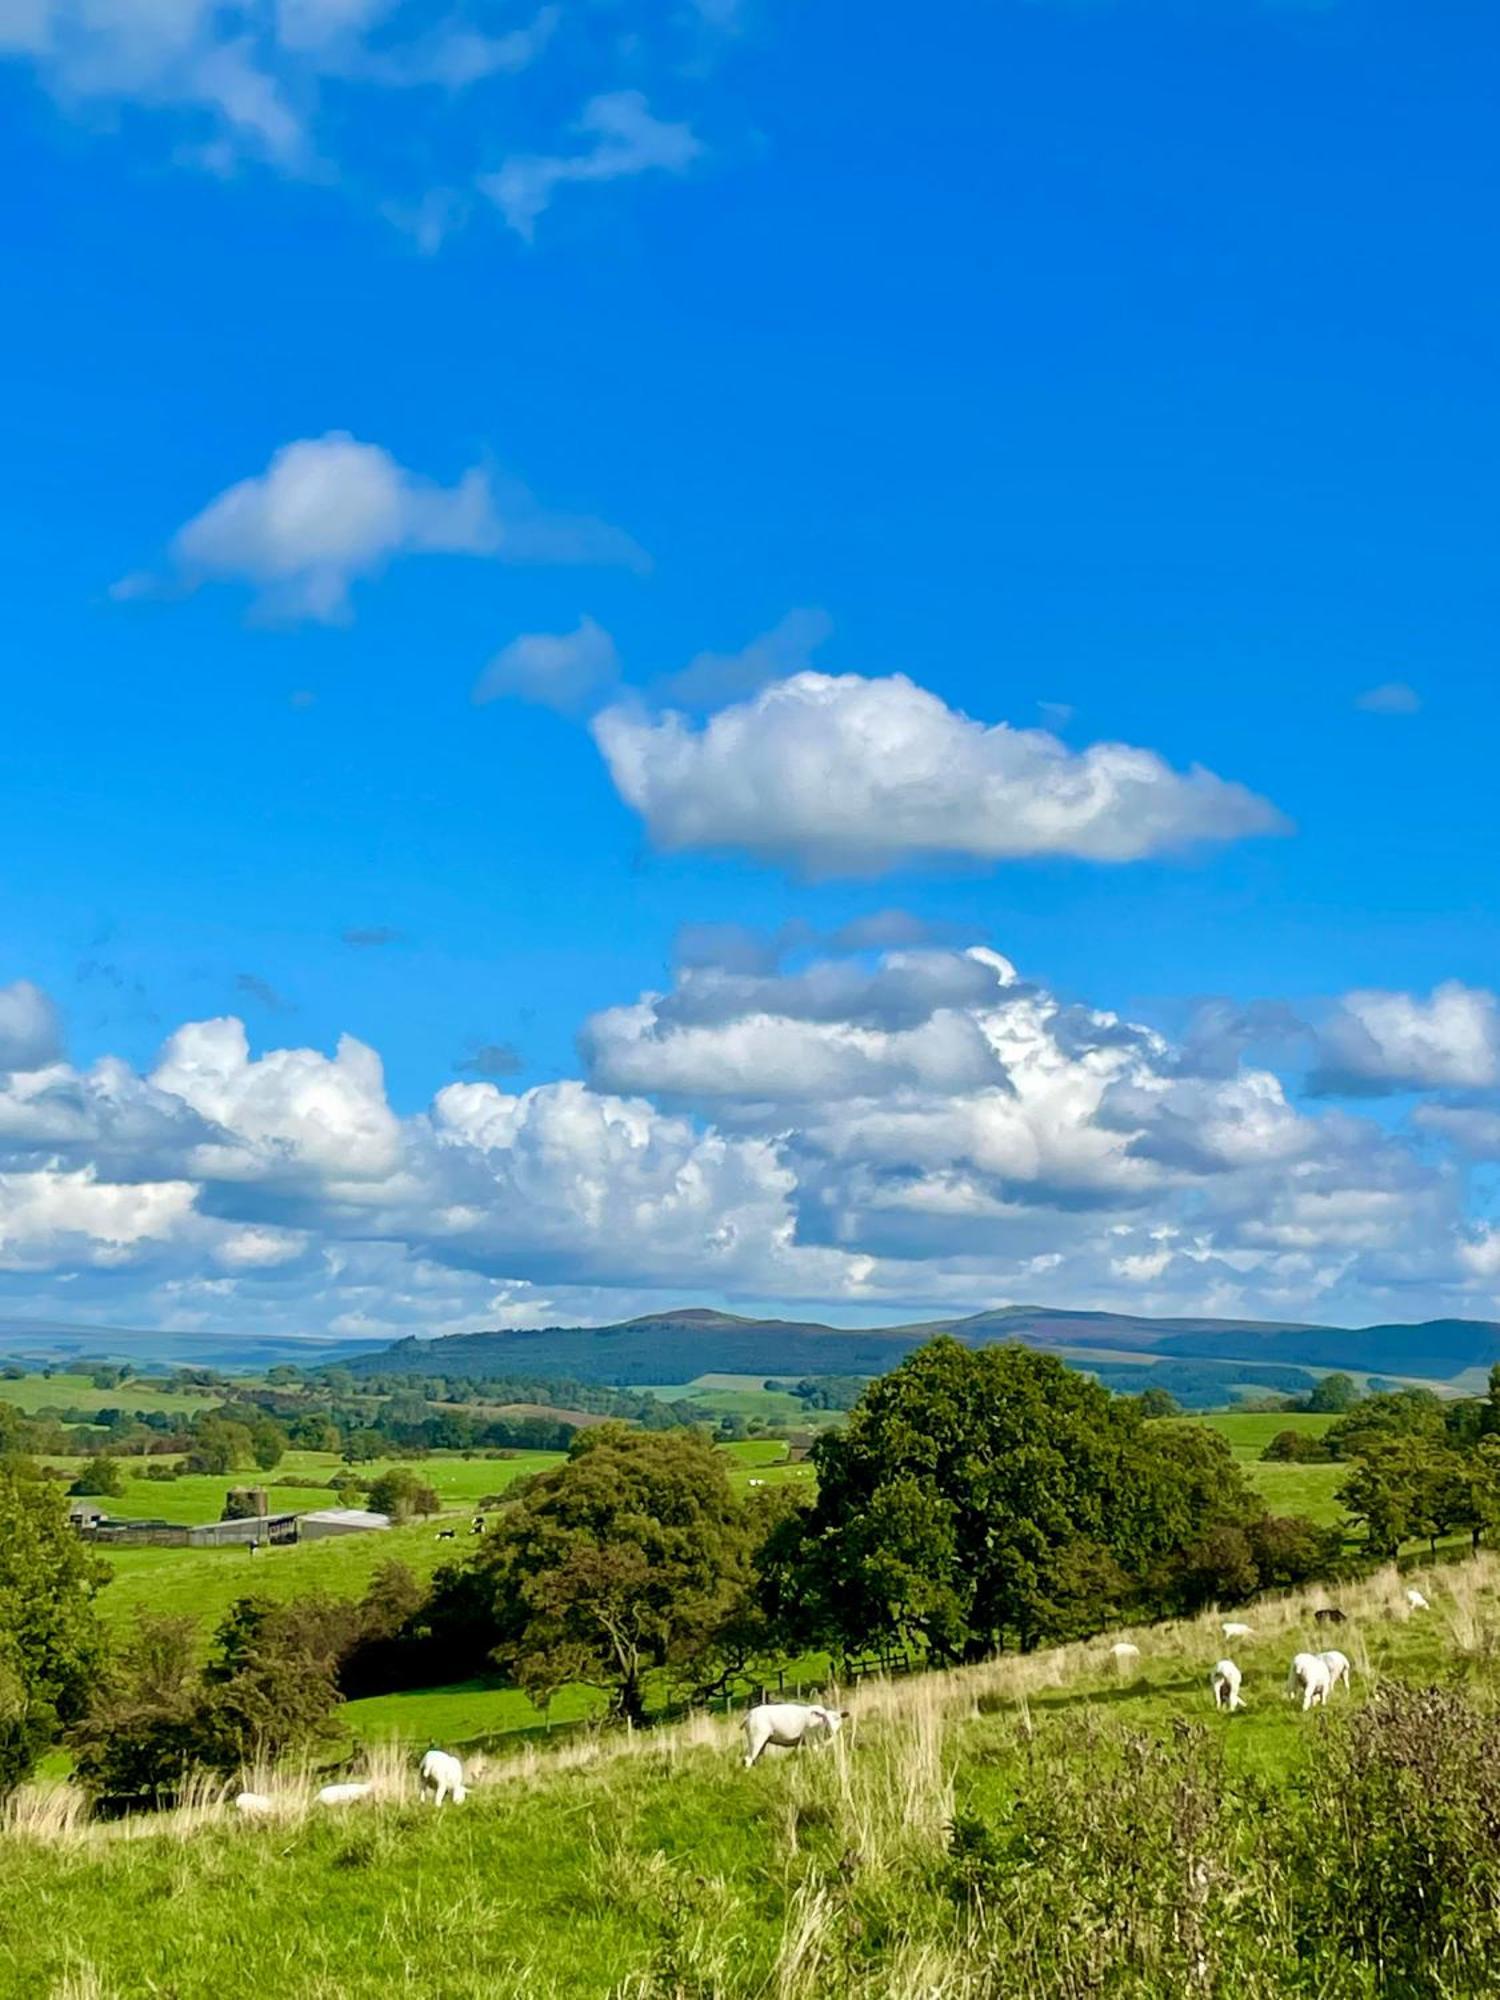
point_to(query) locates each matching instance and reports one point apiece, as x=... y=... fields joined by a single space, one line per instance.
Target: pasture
x=76 y=1392
x=1016 y=1828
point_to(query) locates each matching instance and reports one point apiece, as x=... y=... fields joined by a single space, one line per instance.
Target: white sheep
x=1417 y=1601
x=1234 y=1630
x=1309 y=1672
x=1225 y=1682
x=252 y=1803
x=343 y=1795
x=1337 y=1664
x=786 y=1724
x=1122 y=1652
x=445 y=1774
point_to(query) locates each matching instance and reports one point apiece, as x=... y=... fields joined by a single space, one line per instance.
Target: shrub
x=402 y=1495
x=100 y=1476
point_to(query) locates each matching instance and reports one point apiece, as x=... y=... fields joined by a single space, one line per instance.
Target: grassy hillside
x=1042 y=1825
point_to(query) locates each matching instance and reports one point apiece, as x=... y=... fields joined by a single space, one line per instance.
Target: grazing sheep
x=1309 y=1672
x=1237 y=1631
x=787 y=1724
x=1330 y=1615
x=1225 y=1681
x=343 y=1795
x=251 y=1802
x=1122 y=1652
x=1417 y=1601
x=445 y=1534
x=1338 y=1669
x=445 y=1774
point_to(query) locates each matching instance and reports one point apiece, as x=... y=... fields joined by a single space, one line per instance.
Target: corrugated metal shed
x=339 y=1521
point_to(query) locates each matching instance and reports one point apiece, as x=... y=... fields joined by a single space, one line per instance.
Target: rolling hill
x=677 y=1346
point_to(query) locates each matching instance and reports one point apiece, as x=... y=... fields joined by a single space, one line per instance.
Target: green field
x=1129 y=1826
x=203 y=1583
x=1250 y=1431
x=65 y=1392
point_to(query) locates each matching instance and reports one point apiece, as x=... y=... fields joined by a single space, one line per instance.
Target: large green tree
x=51 y=1647
x=978 y=1499
x=630 y=1558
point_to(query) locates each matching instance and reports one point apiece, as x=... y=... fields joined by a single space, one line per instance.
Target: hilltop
x=680 y=1345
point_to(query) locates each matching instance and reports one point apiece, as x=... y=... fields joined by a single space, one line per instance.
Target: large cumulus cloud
x=878 y=1130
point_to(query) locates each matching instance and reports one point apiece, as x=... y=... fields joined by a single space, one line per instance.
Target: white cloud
x=47 y=1215
x=847 y=775
x=917 y=1128
x=1390 y=698
x=1376 y=1042
x=627 y=140
x=291 y=1113
x=30 y=1030
x=328 y=511
x=562 y=670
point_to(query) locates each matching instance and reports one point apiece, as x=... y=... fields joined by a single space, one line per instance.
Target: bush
x=100 y=1476
x=1296 y=1448
x=1395 y=1861
x=402 y=1495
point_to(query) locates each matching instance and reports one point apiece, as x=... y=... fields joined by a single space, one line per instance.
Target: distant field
x=741 y=1396
x=1287 y=1489
x=36 y=1392
x=1301 y=1489
x=203 y=1583
x=1250 y=1431
x=199 y=1496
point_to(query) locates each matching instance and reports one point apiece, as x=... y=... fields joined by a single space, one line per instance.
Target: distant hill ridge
x=677 y=1346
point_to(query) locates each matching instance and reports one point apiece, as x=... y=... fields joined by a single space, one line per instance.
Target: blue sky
x=1122 y=372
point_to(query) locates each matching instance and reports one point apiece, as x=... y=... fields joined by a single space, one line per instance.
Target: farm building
x=339 y=1521
x=278 y=1528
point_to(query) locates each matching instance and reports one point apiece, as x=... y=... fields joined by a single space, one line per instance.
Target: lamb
x=253 y=1803
x=1330 y=1615
x=445 y=1774
x=1123 y=1652
x=1309 y=1671
x=1225 y=1681
x=1338 y=1669
x=1237 y=1631
x=445 y=1534
x=343 y=1795
x=1417 y=1601
x=788 y=1724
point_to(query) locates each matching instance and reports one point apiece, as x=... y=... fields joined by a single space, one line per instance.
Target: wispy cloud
x=1390 y=698
x=562 y=670
x=626 y=140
